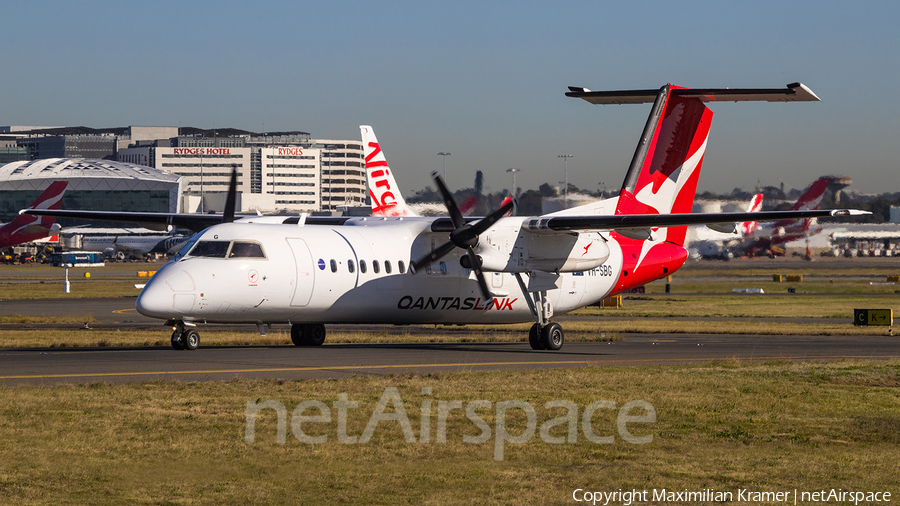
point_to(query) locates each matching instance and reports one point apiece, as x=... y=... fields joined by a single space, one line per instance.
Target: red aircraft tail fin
x=748 y=227
x=812 y=197
x=27 y=228
x=662 y=177
x=663 y=174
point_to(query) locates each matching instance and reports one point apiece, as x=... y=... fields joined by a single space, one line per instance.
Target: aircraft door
x=306 y=273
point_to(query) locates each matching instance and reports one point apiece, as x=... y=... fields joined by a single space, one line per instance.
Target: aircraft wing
x=645 y=221
x=153 y=221
x=161 y=221
x=198 y=222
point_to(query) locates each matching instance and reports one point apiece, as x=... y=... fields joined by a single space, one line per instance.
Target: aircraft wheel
x=314 y=335
x=552 y=336
x=177 y=342
x=297 y=334
x=191 y=339
x=534 y=337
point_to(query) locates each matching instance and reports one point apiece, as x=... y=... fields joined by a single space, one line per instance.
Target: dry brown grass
x=81 y=288
x=724 y=425
x=247 y=335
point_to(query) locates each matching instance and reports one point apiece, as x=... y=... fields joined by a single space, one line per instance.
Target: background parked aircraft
x=27 y=228
x=752 y=239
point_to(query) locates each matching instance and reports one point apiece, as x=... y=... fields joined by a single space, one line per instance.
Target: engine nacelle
x=547 y=252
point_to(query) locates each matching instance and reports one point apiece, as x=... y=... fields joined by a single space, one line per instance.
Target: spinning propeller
x=464 y=235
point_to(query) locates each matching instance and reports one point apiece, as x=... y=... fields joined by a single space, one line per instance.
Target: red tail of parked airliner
x=26 y=227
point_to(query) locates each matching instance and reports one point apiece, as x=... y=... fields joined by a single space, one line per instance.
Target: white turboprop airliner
x=309 y=272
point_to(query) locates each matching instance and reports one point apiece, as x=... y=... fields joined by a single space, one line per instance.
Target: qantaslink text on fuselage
x=456 y=303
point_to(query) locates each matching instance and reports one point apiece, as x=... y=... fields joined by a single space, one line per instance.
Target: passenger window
x=350 y=266
x=387 y=266
x=401 y=267
x=243 y=249
x=443 y=268
x=362 y=266
x=210 y=249
x=375 y=268
x=333 y=266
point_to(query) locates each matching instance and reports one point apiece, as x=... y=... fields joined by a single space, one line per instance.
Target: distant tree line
x=774 y=199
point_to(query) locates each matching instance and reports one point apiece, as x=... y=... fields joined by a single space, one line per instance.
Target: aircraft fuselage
x=359 y=273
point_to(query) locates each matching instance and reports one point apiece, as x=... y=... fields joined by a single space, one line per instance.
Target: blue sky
x=484 y=81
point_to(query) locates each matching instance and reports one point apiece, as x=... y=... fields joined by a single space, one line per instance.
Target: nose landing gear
x=184 y=338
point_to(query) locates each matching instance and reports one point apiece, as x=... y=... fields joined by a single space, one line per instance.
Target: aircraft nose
x=155 y=300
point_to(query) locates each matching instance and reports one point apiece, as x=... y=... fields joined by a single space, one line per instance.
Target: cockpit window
x=245 y=249
x=210 y=249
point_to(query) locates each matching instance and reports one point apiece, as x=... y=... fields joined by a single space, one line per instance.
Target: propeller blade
x=486 y=222
x=476 y=268
x=455 y=215
x=434 y=256
x=228 y=214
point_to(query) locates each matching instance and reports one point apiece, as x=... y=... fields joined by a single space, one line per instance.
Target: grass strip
x=722 y=426
x=92 y=288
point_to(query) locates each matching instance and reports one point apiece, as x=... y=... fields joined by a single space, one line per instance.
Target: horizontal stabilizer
x=794 y=92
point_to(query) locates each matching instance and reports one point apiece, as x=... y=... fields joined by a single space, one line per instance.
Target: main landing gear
x=544 y=335
x=548 y=337
x=185 y=338
x=305 y=334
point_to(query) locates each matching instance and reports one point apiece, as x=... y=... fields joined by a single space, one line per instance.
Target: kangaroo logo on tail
x=662 y=179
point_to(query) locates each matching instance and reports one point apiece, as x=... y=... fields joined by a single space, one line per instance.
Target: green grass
x=724 y=426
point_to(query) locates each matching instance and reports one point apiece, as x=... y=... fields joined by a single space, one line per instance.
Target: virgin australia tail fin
x=386 y=197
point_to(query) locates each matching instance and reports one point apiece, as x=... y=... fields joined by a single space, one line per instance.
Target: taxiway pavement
x=121 y=365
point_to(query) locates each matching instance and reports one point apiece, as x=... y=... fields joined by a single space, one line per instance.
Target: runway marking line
x=120 y=311
x=399 y=366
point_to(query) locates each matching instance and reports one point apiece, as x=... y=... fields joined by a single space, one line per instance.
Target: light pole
x=514 y=180
x=444 y=155
x=202 y=209
x=566 y=182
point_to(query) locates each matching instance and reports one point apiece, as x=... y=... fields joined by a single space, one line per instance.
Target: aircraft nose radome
x=155 y=300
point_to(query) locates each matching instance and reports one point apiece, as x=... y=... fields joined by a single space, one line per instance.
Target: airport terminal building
x=94 y=184
x=277 y=173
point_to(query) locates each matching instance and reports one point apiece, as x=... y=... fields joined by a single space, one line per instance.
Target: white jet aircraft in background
x=401 y=269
